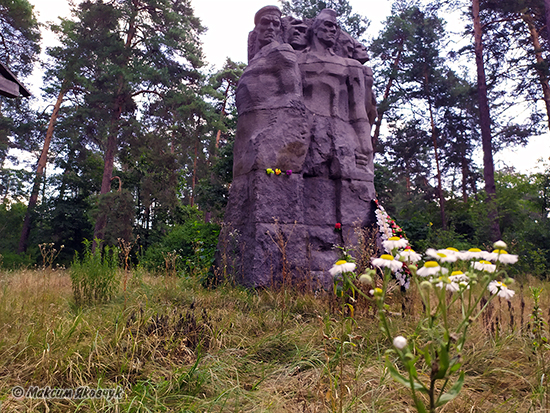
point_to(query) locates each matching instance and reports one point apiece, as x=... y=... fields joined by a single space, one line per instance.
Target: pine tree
x=117 y=60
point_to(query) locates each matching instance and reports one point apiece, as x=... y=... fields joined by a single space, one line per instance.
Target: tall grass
x=95 y=276
x=177 y=346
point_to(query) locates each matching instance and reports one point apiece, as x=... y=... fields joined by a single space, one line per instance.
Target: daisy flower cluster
x=438 y=262
x=444 y=267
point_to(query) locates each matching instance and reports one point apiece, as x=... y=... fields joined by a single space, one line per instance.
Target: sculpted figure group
x=306 y=107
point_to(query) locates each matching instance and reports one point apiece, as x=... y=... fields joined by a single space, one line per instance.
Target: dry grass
x=175 y=346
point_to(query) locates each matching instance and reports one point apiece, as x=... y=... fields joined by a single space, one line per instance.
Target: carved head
x=297 y=34
x=268 y=25
x=325 y=27
x=360 y=52
x=345 y=45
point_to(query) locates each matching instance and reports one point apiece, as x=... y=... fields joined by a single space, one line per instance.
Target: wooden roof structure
x=9 y=85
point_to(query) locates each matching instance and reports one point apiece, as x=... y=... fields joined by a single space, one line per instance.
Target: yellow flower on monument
x=503 y=257
x=340 y=267
x=400 y=342
x=500 y=289
x=484 y=265
x=394 y=243
x=441 y=255
x=269 y=171
x=408 y=255
x=387 y=261
x=431 y=268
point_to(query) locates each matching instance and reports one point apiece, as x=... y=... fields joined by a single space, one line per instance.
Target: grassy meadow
x=176 y=346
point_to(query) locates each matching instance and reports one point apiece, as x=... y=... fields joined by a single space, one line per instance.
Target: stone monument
x=303 y=159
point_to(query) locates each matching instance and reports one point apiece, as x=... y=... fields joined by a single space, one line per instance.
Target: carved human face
x=326 y=30
x=298 y=36
x=348 y=48
x=268 y=29
x=360 y=53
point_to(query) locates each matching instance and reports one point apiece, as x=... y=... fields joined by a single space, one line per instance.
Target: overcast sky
x=228 y=23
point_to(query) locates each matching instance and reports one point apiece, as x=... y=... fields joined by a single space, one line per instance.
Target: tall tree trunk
x=547 y=9
x=434 y=142
x=194 y=180
x=485 y=125
x=543 y=78
x=23 y=240
x=111 y=148
x=222 y=114
x=380 y=116
x=465 y=174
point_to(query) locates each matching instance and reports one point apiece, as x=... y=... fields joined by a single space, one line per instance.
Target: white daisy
x=340 y=267
x=503 y=257
x=408 y=255
x=499 y=288
x=449 y=285
x=453 y=251
x=484 y=266
x=475 y=254
x=441 y=255
x=458 y=276
x=394 y=243
x=387 y=261
x=431 y=268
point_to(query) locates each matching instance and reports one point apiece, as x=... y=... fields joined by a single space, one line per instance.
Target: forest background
x=135 y=142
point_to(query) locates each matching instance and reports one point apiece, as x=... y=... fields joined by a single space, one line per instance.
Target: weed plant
x=95 y=277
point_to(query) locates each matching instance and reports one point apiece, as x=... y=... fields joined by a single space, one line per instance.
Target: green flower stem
x=425 y=297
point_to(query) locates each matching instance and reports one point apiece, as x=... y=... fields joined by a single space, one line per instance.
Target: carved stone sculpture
x=303 y=154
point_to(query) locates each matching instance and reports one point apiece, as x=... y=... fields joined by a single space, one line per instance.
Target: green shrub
x=94 y=277
x=193 y=242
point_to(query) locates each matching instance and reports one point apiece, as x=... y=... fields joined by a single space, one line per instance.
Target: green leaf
x=443 y=362
x=455 y=367
x=398 y=377
x=452 y=393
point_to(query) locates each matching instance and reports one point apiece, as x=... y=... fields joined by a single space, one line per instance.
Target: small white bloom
x=408 y=255
x=500 y=245
x=441 y=255
x=431 y=268
x=340 y=267
x=394 y=243
x=499 y=288
x=503 y=257
x=387 y=261
x=484 y=266
x=365 y=279
x=400 y=342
